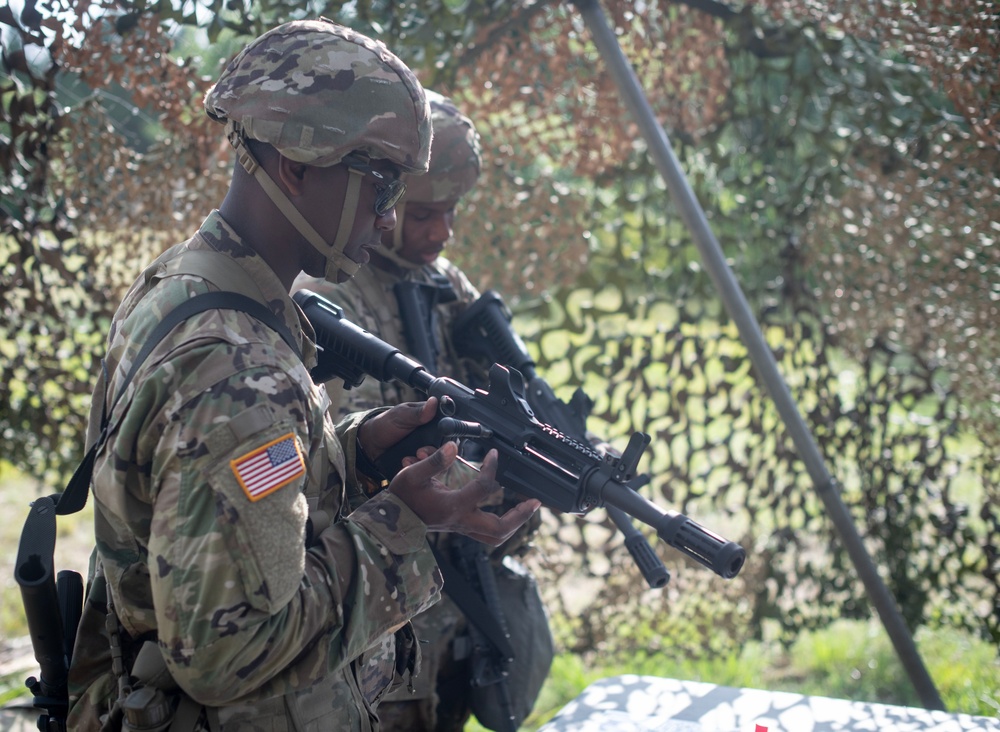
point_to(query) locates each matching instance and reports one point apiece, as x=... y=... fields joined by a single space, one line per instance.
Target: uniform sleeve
x=242 y=608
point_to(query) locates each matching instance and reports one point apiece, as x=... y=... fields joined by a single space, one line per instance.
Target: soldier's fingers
x=472 y=494
x=469 y=497
x=409 y=415
x=422 y=454
x=425 y=452
x=488 y=472
x=387 y=428
x=495 y=530
x=418 y=472
x=516 y=516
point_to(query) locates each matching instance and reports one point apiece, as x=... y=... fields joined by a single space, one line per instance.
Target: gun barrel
x=722 y=556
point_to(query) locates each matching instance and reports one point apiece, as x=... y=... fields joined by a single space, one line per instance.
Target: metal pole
x=761 y=356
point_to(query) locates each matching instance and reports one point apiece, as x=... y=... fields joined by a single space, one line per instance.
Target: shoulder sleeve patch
x=269 y=467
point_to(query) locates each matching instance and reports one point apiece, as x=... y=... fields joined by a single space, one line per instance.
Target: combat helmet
x=455 y=164
x=318 y=92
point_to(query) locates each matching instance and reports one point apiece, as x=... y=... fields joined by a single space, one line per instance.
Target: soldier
x=386 y=298
x=231 y=587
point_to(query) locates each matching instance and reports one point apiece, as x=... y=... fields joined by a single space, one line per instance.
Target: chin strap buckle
x=243 y=154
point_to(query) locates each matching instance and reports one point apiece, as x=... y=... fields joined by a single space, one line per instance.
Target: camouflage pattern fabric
x=317 y=91
x=219 y=451
x=457 y=159
x=369 y=301
x=454 y=168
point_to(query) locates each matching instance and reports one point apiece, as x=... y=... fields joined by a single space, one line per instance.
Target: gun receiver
x=535 y=460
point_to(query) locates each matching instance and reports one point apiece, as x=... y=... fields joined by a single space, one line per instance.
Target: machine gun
x=534 y=459
x=484 y=331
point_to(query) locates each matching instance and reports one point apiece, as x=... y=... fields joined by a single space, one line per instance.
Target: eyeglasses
x=387 y=192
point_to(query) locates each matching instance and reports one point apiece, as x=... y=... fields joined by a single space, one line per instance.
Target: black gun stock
x=53 y=606
x=534 y=459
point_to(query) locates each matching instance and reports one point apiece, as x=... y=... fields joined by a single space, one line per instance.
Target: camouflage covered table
x=651 y=704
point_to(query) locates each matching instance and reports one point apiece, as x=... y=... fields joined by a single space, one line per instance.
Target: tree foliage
x=846 y=154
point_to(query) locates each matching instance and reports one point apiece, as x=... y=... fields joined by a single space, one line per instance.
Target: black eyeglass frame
x=388 y=192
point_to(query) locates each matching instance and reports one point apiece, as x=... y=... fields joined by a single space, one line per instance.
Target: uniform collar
x=218 y=235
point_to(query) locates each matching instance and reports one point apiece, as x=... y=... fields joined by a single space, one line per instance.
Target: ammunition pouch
x=151 y=704
x=156 y=703
x=150 y=699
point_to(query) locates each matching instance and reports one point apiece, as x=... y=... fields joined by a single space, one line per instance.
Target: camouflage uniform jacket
x=208 y=556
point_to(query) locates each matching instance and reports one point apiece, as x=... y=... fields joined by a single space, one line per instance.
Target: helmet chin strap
x=336 y=260
x=392 y=252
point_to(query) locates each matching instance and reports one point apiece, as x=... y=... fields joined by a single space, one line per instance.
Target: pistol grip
x=390 y=462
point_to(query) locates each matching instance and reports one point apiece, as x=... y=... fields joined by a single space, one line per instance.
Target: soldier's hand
x=458 y=510
x=385 y=429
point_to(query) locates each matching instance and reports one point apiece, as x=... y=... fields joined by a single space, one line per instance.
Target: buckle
x=243 y=154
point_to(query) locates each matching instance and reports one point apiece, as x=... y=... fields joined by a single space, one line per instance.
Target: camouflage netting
x=861 y=221
x=847 y=166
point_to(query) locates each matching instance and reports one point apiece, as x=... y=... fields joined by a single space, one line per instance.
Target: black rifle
x=468 y=574
x=53 y=606
x=534 y=460
x=417 y=301
x=484 y=331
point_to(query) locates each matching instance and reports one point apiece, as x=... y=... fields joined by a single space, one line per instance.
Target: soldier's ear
x=291 y=175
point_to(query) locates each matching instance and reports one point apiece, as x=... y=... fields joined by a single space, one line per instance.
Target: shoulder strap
x=215 y=267
x=74 y=498
x=201 y=303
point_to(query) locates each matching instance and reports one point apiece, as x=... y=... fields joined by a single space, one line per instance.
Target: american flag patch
x=266 y=469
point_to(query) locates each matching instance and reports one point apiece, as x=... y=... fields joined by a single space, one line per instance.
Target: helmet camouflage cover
x=317 y=91
x=456 y=157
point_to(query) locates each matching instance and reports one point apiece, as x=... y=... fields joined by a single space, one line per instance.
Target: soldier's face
x=427 y=228
x=331 y=186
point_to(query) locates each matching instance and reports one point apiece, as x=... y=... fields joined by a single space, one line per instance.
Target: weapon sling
x=54 y=612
